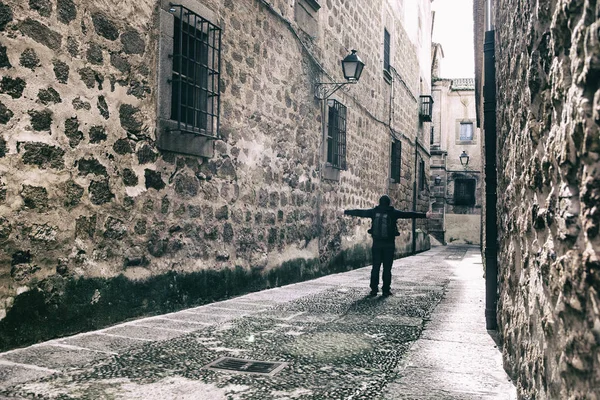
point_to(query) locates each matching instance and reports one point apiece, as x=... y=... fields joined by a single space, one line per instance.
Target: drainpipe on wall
x=491 y=183
x=414 y=221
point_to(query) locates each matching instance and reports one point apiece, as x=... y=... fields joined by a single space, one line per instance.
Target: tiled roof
x=463 y=84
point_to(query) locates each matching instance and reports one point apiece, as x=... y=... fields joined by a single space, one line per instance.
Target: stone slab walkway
x=428 y=341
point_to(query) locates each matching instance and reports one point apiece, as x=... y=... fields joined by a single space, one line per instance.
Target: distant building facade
x=156 y=155
x=456 y=183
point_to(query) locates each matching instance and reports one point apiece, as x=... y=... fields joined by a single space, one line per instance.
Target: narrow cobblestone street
x=428 y=341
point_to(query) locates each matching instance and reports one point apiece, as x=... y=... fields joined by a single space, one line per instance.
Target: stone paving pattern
x=337 y=343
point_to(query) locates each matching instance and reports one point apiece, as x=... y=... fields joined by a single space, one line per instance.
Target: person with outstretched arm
x=384 y=230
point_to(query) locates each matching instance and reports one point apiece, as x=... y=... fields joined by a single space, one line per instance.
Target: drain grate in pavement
x=246 y=366
x=457 y=255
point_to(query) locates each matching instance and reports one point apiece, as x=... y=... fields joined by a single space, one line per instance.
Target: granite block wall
x=97 y=224
x=547 y=65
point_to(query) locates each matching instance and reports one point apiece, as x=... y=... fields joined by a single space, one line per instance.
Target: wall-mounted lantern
x=352 y=67
x=438 y=180
x=464 y=159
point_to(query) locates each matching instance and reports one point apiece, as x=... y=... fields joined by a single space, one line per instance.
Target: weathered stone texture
x=6 y=15
x=105 y=27
x=5 y=114
x=61 y=71
x=40 y=120
x=48 y=96
x=4 y=61
x=41 y=33
x=548 y=168
x=29 y=59
x=67 y=11
x=260 y=201
x=12 y=86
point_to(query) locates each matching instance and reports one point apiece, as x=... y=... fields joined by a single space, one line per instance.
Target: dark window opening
x=464 y=192
x=386 y=50
x=336 y=135
x=431 y=136
x=396 y=160
x=196 y=65
x=422 y=178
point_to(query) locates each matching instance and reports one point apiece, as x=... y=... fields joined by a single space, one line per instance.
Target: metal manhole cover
x=246 y=366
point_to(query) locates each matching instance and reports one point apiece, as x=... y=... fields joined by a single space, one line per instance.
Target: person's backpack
x=384 y=226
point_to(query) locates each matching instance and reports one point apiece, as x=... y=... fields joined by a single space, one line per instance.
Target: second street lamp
x=464 y=159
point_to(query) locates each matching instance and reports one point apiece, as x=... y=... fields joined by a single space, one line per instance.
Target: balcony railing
x=425 y=107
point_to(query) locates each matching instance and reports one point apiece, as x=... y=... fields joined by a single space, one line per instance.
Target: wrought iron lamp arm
x=321 y=92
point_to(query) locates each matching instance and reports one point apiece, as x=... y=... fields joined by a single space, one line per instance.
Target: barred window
x=464 y=192
x=195 y=80
x=396 y=160
x=386 y=50
x=431 y=136
x=336 y=135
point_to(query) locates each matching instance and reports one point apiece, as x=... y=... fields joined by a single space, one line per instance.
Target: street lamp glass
x=352 y=66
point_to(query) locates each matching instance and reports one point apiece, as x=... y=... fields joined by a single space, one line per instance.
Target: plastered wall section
x=548 y=192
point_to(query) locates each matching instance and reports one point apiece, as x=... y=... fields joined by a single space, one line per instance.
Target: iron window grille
x=386 y=50
x=195 y=102
x=464 y=192
x=396 y=160
x=431 y=136
x=336 y=135
x=425 y=107
x=422 y=175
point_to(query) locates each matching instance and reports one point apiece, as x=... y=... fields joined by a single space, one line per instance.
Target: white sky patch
x=453 y=29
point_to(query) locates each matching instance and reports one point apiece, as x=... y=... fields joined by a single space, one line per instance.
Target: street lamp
x=464 y=159
x=352 y=67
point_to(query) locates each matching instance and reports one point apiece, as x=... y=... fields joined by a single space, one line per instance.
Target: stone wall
x=98 y=224
x=549 y=191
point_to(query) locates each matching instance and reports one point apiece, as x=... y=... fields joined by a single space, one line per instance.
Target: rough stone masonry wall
x=548 y=70
x=98 y=225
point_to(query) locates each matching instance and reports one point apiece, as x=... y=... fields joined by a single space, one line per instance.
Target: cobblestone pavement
x=333 y=340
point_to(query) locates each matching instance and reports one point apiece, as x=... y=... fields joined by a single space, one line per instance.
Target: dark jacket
x=395 y=214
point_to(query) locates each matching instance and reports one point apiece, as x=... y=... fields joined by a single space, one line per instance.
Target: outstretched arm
x=368 y=213
x=409 y=214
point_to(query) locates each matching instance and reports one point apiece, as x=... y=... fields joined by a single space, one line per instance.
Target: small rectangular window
x=464 y=192
x=336 y=135
x=431 y=136
x=422 y=178
x=396 y=160
x=386 y=50
x=195 y=80
x=466 y=131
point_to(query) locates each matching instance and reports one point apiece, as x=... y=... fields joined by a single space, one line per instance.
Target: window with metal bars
x=464 y=192
x=195 y=104
x=396 y=160
x=386 y=50
x=336 y=135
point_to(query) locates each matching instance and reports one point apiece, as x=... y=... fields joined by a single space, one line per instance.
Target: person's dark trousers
x=382 y=254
